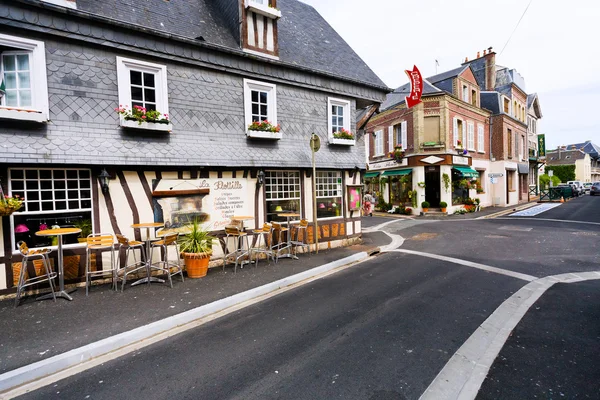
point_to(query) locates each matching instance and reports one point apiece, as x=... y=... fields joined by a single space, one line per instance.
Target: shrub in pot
x=196 y=247
x=443 y=205
x=425 y=206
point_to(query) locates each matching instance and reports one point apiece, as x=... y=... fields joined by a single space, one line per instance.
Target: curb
x=512 y=210
x=33 y=372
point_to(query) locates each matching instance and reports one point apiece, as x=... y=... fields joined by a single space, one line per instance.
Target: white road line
x=379 y=227
x=463 y=374
x=549 y=219
x=471 y=264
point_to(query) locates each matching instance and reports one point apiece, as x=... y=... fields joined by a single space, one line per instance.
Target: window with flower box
x=61 y=197
x=23 y=72
x=260 y=104
x=329 y=194
x=283 y=193
x=339 y=121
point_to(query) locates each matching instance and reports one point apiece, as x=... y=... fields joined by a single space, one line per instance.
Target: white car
x=578 y=185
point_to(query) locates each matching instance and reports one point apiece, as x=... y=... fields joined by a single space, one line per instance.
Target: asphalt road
x=384 y=328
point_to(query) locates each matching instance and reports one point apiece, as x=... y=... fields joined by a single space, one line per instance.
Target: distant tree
x=564 y=172
x=545 y=181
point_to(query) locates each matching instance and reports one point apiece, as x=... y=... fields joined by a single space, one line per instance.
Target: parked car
x=595 y=189
x=587 y=186
x=578 y=187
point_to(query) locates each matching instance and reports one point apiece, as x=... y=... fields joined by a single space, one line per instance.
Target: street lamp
x=260 y=177
x=104 y=177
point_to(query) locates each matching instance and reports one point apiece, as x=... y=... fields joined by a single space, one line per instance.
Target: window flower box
x=343 y=137
x=264 y=130
x=149 y=126
x=22 y=114
x=140 y=118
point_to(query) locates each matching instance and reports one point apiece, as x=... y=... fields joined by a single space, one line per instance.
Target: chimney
x=478 y=55
x=466 y=59
x=490 y=69
x=484 y=52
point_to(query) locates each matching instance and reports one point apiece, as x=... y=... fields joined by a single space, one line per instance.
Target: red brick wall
x=467 y=115
x=501 y=125
x=382 y=122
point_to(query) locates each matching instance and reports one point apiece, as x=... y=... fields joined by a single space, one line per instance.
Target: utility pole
x=315 y=145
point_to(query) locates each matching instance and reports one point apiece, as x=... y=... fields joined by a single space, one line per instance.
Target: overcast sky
x=554 y=48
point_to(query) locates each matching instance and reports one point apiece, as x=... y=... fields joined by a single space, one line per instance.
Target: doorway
x=432 y=186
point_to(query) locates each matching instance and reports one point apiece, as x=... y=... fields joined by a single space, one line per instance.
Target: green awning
x=466 y=172
x=371 y=174
x=397 y=172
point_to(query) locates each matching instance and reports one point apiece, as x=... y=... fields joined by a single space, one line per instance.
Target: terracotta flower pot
x=196 y=264
x=444 y=210
x=425 y=209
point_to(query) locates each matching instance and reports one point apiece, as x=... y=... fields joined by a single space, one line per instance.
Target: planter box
x=346 y=142
x=22 y=115
x=264 y=135
x=148 y=126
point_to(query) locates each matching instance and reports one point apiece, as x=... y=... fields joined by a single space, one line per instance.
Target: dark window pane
x=45 y=174
x=84 y=184
x=32 y=185
x=71 y=174
x=263 y=110
x=136 y=77
x=47 y=206
x=263 y=97
x=263 y=118
x=73 y=194
x=20 y=194
x=149 y=95
x=33 y=206
x=135 y=103
x=72 y=184
x=150 y=107
x=33 y=196
x=59 y=174
x=148 y=79
x=46 y=195
x=136 y=93
x=59 y=184
x=73 y=205
x=59 y=194
x=46 y=184
x=16 y=174
x=61 y=205
x=31 y=174
x=84 y=174
x=86 y=194
x=255 y=109
x=255 y=118
x=86 y=204
x=254 y=96
x=18 y=185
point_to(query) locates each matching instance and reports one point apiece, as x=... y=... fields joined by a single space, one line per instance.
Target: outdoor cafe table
x=148 y=226
x=289 y=215
x=61 y=278
x=243 y=218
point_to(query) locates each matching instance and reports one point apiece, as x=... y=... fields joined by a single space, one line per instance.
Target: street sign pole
x=315 y=145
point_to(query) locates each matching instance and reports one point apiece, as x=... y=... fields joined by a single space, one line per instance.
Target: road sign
x=496 y=175
x=493 y=180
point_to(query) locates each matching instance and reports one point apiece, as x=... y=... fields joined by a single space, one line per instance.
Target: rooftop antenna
x=436 y=65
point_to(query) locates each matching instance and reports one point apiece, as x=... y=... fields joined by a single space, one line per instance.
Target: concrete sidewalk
x=36 y=331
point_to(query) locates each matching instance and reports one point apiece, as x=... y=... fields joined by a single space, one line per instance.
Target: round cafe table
x=148 y=225
x=61 y=278
x=242 y=218
x=289 y=215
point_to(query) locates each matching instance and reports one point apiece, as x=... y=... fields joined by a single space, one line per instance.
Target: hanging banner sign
x=416 y=87
x=542 y=145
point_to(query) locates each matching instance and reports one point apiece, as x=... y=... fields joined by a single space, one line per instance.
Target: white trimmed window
x=61 y=197
x=465 y=93
x=480 y=139
x=329 y=194
x=460 y=132
x=401 y=135
x=260 y=102
x=378 y=139
x=470 y=136
x=338 y=114
x=282 y=191
x=142 y=84
x=23 y=71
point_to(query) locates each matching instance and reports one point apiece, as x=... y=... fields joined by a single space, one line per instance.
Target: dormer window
x=260 y=28
x=474 y=97
x=465 y=93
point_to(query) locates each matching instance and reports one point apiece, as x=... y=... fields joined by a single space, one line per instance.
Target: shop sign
x=459 y=160
x=388 y=164
x=542 y=145
x=416 y=87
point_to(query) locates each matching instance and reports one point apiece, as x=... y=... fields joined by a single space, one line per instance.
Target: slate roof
x=453 y=73
x=398 y=95
x=588 y=147
x=566 y=157
x=305 y=38
x=490 y=101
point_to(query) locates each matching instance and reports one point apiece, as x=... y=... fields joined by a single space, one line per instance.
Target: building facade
x=577 y=157
x=232 y=109
x=534 y=115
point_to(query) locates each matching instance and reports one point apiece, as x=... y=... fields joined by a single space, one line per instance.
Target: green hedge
x=564 y=172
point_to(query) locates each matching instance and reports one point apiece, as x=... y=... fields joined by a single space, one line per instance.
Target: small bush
x=425 y=204
x=443 y=204
x=408 y=211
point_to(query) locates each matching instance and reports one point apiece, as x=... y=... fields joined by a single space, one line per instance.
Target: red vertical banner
x=416 y=87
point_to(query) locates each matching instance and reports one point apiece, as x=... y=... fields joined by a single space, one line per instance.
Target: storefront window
x=282 y=190
x=400 y=188
x=53 y=197
x=329 y=194
x=460 y=188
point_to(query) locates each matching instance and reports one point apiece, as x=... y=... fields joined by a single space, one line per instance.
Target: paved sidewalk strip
x=530 y=212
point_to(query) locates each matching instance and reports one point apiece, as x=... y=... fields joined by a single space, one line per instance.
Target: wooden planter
x=196 y=264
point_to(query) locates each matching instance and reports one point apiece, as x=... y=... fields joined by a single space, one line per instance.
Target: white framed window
x=23 y=70
x=329 y=194
x=282 y=192
x=470 y=136
x=51 y=196
x=459 y=132
x=142 y=84
x=480 y=139
x=338 y=114
x=401 y=135
x=260 y=102
x=378 y=139
x=465 y=93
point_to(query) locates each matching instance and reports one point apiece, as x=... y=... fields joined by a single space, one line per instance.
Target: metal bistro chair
x=169 y=240
x=237 y=253
x=100 y=242
x=262 y=244
x=279 y=243
x=300 y=233
x=130 y=246
x=48 y=276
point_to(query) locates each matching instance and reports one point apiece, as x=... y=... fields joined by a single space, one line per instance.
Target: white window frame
x=480 y=139
x=391 y=138
x=280 y=177
x=124 y=65
x=326 y=191
x=470 y=136
x=455 y=131
x=378 y=140
x=271 y=89
x=401 y=134
x=465 y=93
x=345 y=104
x=39 y=110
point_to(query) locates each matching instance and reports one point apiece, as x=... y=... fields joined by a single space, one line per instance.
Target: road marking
x=463 y=374
x=530 y=212
x=551 y=220
x=515 y=228
x=379 y=227
x=488 y=268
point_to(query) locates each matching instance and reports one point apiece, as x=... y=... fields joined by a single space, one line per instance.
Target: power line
x=511 y=35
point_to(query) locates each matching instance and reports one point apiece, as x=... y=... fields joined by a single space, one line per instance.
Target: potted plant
x=86 y=229
x=9 y=205
x=2 y=89
x=425 y=206
x=443 y=206
x=196 y=247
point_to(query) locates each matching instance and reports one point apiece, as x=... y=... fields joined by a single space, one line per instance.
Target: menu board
x=354 y=197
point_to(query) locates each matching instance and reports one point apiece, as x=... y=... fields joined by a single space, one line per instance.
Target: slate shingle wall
x=206 y=108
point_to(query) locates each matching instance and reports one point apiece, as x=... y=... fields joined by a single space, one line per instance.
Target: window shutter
x=480 y=139
x=471 y=136
x=404 y=135
x=463 y=139
x=390 y=138
x=455 y=132
x=367 y=147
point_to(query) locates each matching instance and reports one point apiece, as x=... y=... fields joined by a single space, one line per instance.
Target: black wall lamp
x=260 y=177
x=104 y=177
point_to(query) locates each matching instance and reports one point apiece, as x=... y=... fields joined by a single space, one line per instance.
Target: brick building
x=213 y=67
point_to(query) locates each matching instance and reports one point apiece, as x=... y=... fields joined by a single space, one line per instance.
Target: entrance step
x=434 y=212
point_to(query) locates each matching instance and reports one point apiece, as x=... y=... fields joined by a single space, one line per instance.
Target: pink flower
x=143 y=117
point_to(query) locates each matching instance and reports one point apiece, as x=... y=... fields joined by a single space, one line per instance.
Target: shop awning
x=523 y=168
x=397 y=172
x=466 y=172
x=371 y=174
